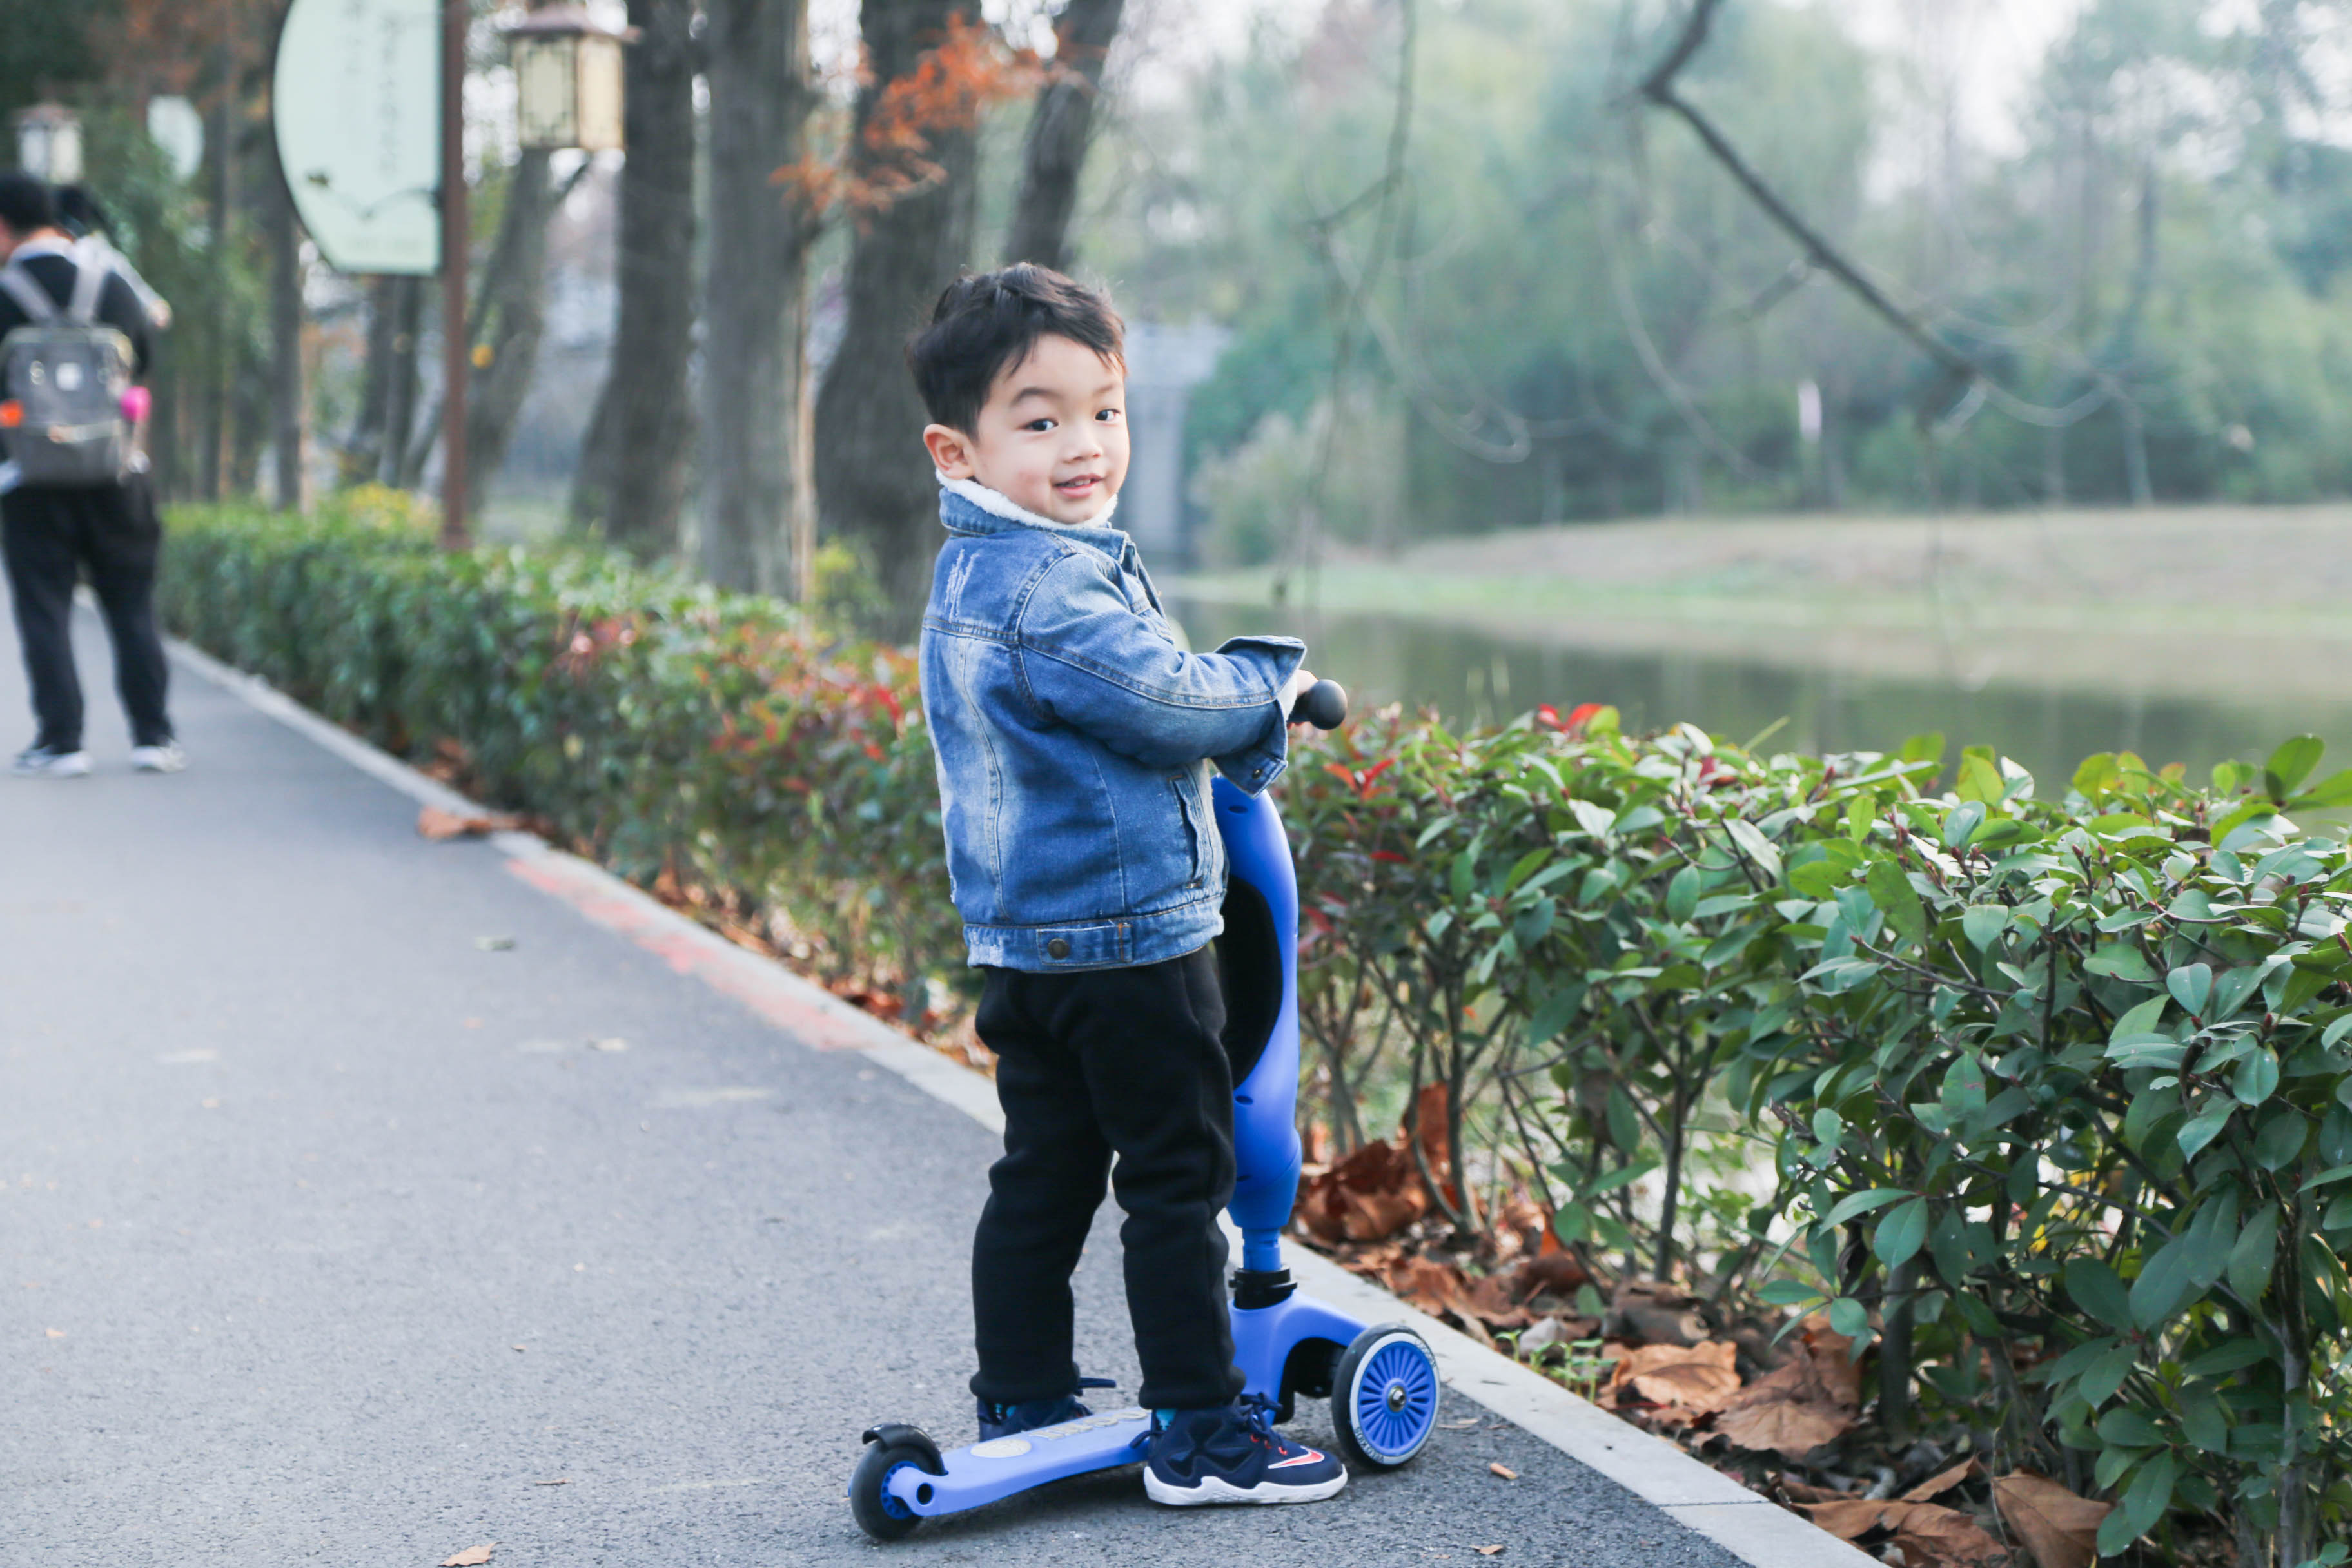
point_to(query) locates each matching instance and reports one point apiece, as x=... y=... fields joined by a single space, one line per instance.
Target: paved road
x=327 y=1237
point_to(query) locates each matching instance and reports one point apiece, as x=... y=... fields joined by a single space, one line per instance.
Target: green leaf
x=1901 y=1234
x=1558 y=1011
x=1624 y=1177
x=2223 y=1360
x=2097 y=773
x=2096 y=1289
x=2330 y=793
x=2280 y=1139
x=1756 y=846
x=2166 y=1283
x=1788 y=1293
x=1848 y=1318
x=1961 y=825
x=2203 y=1420
x=1979 y=779
x=2106 y=1374
x=2192 y=986
x=2122 y=961
x=2205 y=1126
x=1924 y=748
x=1892 y=891
x=1860 y=1203
x=2328 y=1177
x=2250 y=1258
x=1681 y=895
x=2337 y=1031
x=2146 y=1500
x=2292 y=763
x=1983 y=924
x=1465 y=872
x=2126 y=1428
x=2141 y=1020
x=2257 y=1076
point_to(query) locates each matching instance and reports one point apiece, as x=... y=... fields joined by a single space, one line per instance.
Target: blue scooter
x=1381 y=1380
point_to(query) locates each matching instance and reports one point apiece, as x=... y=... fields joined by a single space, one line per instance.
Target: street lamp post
x=568 y=76
x=48 y=143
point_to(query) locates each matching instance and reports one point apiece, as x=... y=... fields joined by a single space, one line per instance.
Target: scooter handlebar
x=1323 y=705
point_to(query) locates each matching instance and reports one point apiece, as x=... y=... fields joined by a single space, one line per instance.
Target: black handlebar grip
x=1323 y=705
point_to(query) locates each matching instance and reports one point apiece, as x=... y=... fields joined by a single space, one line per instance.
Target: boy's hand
x=1293 y=690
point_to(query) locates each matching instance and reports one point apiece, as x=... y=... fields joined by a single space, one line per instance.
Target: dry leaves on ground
x=2060 y=1529
x=1377 y=1191
x=1805 y=1403
x=1489 y=1551
x=440 y=826
x=1928 y=1534
x=1504 y=1471
x=472 y=1557
x=1699 y=1379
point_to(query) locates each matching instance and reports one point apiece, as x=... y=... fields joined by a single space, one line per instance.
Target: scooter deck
x=983 y=1472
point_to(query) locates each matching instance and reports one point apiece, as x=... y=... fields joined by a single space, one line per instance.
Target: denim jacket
x=1073 y=740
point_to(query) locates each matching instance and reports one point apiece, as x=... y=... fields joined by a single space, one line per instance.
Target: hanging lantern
x=48 y=143
x=567 y=80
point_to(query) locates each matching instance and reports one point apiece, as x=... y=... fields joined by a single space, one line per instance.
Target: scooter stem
x=1265 y=1131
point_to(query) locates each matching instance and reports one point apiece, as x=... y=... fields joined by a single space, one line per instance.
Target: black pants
x=1088 y=1064
x=50 y=536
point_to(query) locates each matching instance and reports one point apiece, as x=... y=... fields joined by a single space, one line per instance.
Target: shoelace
x=1256 y=1412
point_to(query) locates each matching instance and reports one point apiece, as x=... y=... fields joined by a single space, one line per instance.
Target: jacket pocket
x=1196 y=832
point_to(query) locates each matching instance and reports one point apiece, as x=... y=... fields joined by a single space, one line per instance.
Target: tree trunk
x=399 y=384
x=510 y=317
x=631 y=484
x=872 y=483
x=755 y=533
x=220 y=391
x=362 y=454
x=1055 y=151
x=287 y=456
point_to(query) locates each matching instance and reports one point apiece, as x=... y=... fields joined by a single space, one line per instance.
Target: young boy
x=1073 y=740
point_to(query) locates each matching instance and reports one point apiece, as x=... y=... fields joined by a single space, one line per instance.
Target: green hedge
x=2053 y=1087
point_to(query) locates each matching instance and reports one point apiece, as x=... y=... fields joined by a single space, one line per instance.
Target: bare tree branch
x=1659 y=87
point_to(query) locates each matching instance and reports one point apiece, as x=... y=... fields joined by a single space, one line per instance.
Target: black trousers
x=49 y=537
x=1125 y=1061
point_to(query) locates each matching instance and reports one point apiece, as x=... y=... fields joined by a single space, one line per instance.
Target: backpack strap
x=90 y=274
x=31 y=297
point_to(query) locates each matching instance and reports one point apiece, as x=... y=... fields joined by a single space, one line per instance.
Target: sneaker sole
x=1214 y=1489
x=159 y=767
x=81 y=771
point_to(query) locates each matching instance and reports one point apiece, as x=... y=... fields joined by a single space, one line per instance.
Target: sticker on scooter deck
x=1001 y=1466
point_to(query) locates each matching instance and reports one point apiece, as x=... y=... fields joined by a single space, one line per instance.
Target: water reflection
x=1464 y=671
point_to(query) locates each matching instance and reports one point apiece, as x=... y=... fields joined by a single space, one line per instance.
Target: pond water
x=1464 y=671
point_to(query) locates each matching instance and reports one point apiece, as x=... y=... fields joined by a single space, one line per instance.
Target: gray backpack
x=65 y=374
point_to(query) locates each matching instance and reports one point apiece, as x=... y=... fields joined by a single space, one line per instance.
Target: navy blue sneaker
x=1234 y=1455
x=1004 y=1420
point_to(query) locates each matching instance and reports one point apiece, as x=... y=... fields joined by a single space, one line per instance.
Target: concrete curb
x=1751 y=1528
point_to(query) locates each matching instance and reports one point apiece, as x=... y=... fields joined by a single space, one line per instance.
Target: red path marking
x=780 y=997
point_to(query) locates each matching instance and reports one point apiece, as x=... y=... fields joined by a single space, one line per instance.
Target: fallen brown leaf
x=1944 y=1480
x=1789 y=1427
x=1500 y=1468
x=2060 y=1529
x=1699 y=1378
x=1650 y=1313
x=558 y=1481
x=1929 y=1534
x=1489 y=1551
x=472 y=1557
x=438 y=825
x=56 y=1334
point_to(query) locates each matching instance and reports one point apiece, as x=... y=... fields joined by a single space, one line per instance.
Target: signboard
x=356 y=100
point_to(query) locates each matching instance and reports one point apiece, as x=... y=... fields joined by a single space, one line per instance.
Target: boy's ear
x=950 y=450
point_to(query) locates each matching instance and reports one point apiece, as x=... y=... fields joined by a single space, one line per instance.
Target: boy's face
x=1052 y=436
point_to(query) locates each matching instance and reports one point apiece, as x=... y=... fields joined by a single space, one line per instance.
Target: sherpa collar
x=967 y=506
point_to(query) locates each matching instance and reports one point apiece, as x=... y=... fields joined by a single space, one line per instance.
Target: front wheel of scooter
x=1384 y=1397
x=879 y=1514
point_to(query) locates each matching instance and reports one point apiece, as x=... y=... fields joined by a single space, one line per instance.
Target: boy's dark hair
x=25 y=204
x=78 y=213
x=989 y=322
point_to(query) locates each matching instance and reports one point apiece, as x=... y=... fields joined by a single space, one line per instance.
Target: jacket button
x=1058 y=948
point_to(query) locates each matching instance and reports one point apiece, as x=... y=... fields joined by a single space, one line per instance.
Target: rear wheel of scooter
x=1384 y=1397
x=879 y=1514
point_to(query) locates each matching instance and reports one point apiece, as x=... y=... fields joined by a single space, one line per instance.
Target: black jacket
x=118 y=304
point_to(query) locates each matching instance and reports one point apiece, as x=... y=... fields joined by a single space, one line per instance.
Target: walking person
x=79 y=504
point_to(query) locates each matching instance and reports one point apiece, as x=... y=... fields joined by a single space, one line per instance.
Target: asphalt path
x=360 y=1204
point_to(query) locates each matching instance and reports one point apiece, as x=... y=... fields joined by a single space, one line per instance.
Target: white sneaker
x=167 y=758
x=48 y=763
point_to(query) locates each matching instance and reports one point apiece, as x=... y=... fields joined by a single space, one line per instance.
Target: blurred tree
x=639 y=448
x=756 y=527
x=1061 y=127
x=912 y=152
